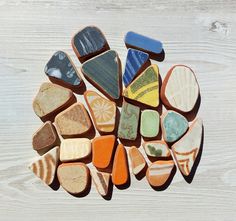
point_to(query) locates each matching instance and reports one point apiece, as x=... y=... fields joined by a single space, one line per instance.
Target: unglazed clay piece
x=74 y=149
x=45 y=137
x=150 y=123
x=159 y=172
x=89 y=42
x=129 y=119
x=73 y=177
x=51 y=99
x=104 y=72
x=120 y=171
x=138 y=162
x=187 y=148
x=102 y=148
x=180 y=89
x=101 y=181
x=45 y=166
x=158 y=149
x=145 y=88
x=73 y=121
x=103 y=111
x=135 y=62
x=61 y=70
x=173 y=125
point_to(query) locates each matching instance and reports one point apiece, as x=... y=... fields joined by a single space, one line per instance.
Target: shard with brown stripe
x=101 y=181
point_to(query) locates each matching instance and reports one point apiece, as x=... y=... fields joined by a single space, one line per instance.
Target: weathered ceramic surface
x=104 y=71
x=157 y=149
x=144 y=43
x=138 y=162
x=180 y=89
x=101 y=181
x=73 y=121
x=45 y=166
x=129 y=119
x=150 y=123
x=103 y=111
x=134 y=62
x=74 y=149
x=173 y=125
x=145 y=88
x=61 y=67
x=159 y=172
x=45 y=137
x=73 y=177
x=89 y=41
x=187 y=148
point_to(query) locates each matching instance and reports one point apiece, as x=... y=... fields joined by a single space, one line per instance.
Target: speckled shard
x=135 y=62
x=104 y=72
x=129 y=119
x=89 y=42
x=145 y=88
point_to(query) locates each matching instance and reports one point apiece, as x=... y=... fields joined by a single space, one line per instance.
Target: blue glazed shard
x=134 y=62
x=141 y=42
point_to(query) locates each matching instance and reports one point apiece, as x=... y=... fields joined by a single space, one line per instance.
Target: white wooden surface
x=199 y=33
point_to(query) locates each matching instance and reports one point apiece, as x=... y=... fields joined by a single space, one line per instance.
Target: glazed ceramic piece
x=120 y=171
x=138 y=162
x=135 y=62
x=45 y=166
x=104 y=72
x=187 y=148
x=73 y=177
x=173 y=125
x=159 y=172
x=62 y=71
x=145 y=88
x=150 y=123
x=143 y=43
x=73 y=121
x=129 y=119
x=88 y=43
x=180 y=89
x=101 y=181
x=74 y=149
x=102 y=148
x=45 y=137
x=103 y=111
x=158 y=149
x=51 y=99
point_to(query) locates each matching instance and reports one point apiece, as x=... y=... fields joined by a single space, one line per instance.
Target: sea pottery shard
x=51 y=99
x=73 y=177
x=180 y=90
x=75 y=149
x=45 y=166
x=145 y=88
x=129 y=119
x=187 y=148
x=88 y=43
x=61 y=70
x=104 y=72
x=173 y=125
x=103 y=111
x=135 y=61
x=73 y=121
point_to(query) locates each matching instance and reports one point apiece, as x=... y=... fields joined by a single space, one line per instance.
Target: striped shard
x=101 y=181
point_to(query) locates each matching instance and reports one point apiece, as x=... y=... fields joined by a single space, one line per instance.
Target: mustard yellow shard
x=145 y=88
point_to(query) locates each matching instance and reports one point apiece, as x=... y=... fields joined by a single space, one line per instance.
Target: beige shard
x=101 y=181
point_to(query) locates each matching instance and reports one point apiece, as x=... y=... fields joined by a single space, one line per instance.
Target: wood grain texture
x=198 y=33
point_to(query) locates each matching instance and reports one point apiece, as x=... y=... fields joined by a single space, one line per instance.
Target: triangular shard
x=101 y=181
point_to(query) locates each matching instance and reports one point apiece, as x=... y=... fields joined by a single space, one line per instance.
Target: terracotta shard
x=73 y=177
x=103 y=111
x=187 y=148
x=101 y=181
x=45 y=166
x=73 y=121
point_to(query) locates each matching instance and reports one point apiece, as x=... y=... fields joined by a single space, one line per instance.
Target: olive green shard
x=129 y=119
x=154 y=151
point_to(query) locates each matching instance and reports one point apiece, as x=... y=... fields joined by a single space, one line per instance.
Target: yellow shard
x=145 y=88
